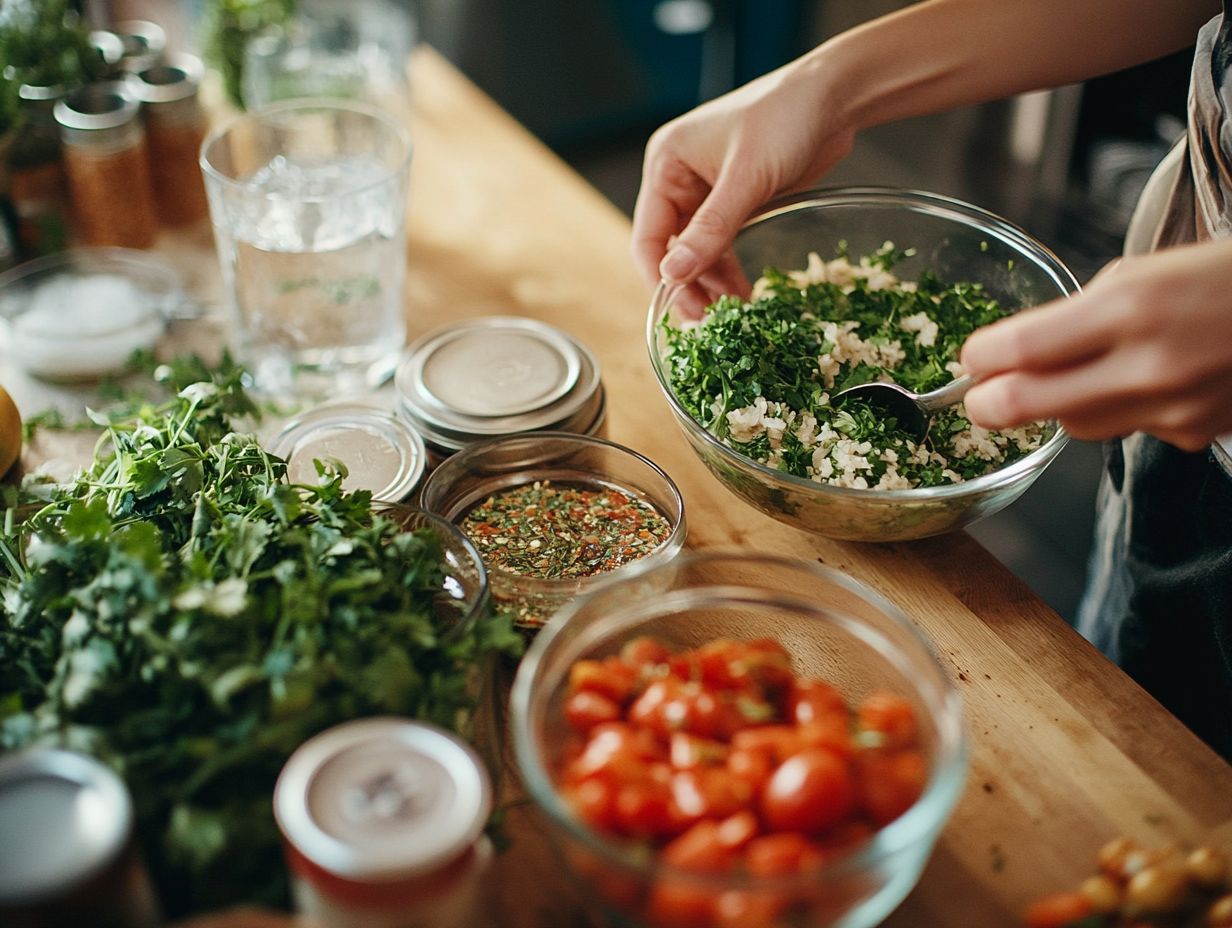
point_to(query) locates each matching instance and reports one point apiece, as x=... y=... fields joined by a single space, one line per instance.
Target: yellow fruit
x=10 y=431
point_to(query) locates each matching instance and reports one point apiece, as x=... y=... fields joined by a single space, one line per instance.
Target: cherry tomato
x=814 y=700
x=699 y=849
x=1060 y=910
x=777 y=742
x=811 y=791
x=891 y=716
x=779 y=853
x=831 y=732
x=643 y=653
x=594 y=802
x=668 y=706
x=705 y=793
x=753 y=767
x=616 y=752
x=747 y=909
x=688 y=751
x=586 y=708
x=610 y=677
x=642 y=810
x=738 y=830
x=889 y=782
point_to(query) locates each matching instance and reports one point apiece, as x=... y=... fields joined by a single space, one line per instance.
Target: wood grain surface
x=1066 y=751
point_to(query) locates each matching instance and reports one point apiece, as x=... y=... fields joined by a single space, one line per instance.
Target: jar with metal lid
x=494 y=376
x=37 y=185
x=383 y=821
x=108 y=169
x=68 y=856
x=382 y=454
x=175 y=128
x=144 y=44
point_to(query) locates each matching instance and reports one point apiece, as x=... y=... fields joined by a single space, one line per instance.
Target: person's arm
x=705 y=172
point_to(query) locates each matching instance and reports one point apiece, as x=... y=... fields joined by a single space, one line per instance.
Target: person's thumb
x=711 y=230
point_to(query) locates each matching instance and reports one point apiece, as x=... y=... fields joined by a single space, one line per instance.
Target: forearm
x=945 y=53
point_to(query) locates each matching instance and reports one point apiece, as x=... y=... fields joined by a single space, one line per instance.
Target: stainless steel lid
x=98 y=106
x=380 y=452
x=63 y=818
x=382 y=799
x=496 y=376
x=144 y=43
x=176 y=79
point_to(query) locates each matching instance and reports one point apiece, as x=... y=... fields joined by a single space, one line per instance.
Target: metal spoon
x=914 y=411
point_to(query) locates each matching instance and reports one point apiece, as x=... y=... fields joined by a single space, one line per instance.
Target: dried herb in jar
x=558 y=532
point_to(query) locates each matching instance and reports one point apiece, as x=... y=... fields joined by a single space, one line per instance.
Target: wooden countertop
x=1066 y=751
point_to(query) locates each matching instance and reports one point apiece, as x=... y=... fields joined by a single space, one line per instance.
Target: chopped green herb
x=759 y=374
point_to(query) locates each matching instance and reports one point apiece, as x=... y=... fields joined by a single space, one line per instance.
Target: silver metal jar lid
x=176 y=79
x=380 y=451
x=144 y=43
x=495 y=376
x=98 y=106
x=64 y=817
x=382 y=799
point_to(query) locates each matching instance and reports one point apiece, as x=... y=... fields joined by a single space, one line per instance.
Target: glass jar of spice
x=175 y=128
x=37 y=186
x=108 y=170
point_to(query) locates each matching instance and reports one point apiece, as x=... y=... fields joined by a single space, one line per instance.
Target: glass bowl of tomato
x=736 y=739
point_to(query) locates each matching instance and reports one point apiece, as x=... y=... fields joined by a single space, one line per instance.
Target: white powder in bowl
x=76 y=327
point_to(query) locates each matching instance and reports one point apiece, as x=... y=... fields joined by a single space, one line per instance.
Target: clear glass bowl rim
x=929 y=811
x=476 y=450
x=921 y=201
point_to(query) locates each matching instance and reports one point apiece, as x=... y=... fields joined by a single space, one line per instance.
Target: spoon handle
x=945 y=396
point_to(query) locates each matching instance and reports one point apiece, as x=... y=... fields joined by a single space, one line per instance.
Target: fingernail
x=678 y=263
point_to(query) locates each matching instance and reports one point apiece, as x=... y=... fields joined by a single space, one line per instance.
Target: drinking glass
x=308 y=200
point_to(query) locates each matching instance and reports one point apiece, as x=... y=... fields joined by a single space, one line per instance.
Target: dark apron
x=1159 y=594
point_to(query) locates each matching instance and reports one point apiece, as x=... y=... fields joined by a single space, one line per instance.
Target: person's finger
x=726 y=277
x=711 y=229
x=670 y=193
x=1054 y=335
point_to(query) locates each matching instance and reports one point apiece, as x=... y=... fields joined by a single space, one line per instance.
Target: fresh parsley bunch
x=187 y=615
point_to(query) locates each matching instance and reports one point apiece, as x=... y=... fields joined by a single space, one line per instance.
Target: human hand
x=1146 y=348
x=707 y=171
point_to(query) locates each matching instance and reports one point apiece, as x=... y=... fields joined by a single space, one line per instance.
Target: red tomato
x=705 y=793
x=811 y=791
x=753 y=767
x=678 y=904
x=777 y=742
x=616 y=752
x=892 y=716
x=832 y=732
x=699 y=850
x=644 y=652
x=738 y=830
x=594 y=802
x=586 y=708
x=687 y=751
x=1060 y=910
x=779 y=853
x=668 y=706
x=609 y=677
x=889 y=782
x=642 y=810
x=747 y=909
x=813 y=700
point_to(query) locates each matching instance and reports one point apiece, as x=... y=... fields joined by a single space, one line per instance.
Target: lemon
x=10 y=431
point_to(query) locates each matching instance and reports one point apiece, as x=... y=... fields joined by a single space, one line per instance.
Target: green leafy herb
x=186 y=614
x=230 y=25
x=759 y=373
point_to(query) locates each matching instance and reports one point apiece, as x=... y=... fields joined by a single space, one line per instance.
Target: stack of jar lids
x=498 y=375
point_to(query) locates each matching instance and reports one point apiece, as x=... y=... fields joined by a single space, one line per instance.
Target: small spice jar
x=68 y=846
x=382 y=820
x=494 y=376
x=37 y=185
x=175 y=128
x=144 y=43
x=108 y=169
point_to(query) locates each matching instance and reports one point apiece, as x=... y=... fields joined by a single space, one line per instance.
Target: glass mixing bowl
x=834 y=628
x=958 y=242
